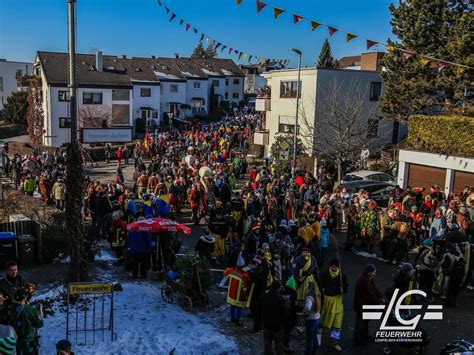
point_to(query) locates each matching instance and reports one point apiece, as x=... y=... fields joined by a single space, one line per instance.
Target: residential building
x=371 y=61
x=254 y=80
x=120 y=91
x=9 y=72
x=315 y=86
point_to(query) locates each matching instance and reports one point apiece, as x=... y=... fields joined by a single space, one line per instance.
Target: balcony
x=263 y=104
x=261 y=138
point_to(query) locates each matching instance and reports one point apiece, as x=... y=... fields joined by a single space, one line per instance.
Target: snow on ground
x=144 y=324
x=369 y=255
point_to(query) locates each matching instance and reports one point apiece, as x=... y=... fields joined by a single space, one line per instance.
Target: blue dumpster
x=8 y=248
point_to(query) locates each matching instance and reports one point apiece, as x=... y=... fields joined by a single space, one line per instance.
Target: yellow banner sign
x=89 y=288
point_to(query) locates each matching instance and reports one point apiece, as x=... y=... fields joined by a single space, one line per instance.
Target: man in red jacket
x=237 y=293
x=365 y=293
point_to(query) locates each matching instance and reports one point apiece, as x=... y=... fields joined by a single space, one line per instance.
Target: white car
x=368 y=175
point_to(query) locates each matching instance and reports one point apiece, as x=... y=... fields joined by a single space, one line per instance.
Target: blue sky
x=141 y=28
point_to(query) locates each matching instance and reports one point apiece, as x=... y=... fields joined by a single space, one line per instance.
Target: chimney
x=99 y=63
x=153 y=57
x=124 y=56
x=176 y=55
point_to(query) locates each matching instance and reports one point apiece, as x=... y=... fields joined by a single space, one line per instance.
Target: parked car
x=380 y=192
x=368 y=175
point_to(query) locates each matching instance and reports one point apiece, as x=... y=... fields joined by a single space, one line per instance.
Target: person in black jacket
x=205 y=246
x=259 y=273
x=273 y=317
x=289 y=295
x=12 y=281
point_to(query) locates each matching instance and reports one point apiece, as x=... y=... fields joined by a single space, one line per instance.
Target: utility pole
x=295 y=136
x=74 y=173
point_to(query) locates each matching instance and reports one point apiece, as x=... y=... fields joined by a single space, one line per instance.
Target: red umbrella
x=156 y=225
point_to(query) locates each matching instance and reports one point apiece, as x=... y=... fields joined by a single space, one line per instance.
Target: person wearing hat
x=237 y=292
x=404 y=281
x=64 y=347
x=259 y=275
x=426 y=263
x=333 y=284
x=289 y=296
x=365 y=293
x=304 y=268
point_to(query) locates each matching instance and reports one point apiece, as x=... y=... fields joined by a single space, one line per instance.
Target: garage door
x=426 y=176
x=462 y=179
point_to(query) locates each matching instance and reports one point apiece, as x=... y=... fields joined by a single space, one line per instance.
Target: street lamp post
x=295 y=137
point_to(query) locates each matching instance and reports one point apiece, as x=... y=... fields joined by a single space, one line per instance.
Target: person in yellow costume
x=304 y=267
x=333 y=285
x=305 y=232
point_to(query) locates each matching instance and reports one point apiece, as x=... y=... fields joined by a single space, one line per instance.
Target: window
x=196 y=85
x=173 y=88
x=372 y=128
x=120 y=95
x=215 y=83
x=288 y=89
x=155 y=114
x=63 y=96
x=226 y=82
x=92 y=98
x=226 y=96
x=235 y=95
x=145 y=92
x=286 y=124
x=64 y=122
x=1 y=83
x=18 y=74
x=375 y=91
x=236 y=81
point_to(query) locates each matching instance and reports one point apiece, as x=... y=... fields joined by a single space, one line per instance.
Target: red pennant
x=442 y=66
x=188 y=26
x=230 y=50
x=331 y=30
x=260 y=6
x=297 y=18
x=370 y=44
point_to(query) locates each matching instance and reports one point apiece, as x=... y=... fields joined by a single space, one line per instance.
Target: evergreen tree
x=199 y=51
x=15 y=108
x=437 y=28
x=210 y=51
x=326 y=60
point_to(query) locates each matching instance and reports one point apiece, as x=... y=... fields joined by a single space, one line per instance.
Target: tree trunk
x=74 y=226
x=339 y=171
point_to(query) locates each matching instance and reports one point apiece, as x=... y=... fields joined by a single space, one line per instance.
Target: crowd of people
x=270 y=230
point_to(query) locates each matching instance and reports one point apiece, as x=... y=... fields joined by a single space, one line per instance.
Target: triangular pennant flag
x=460 y=70
x=245 y=56
x=297 y=18
x=207 y=39
x=331 y=30
x=159 y=2
x=370 y=44
x=250 y=58
x=173 y=15
x=390 y=48
x=277 y=12
x=238 y=2
x=188 y=26
x=314 y=25
x=223 y=47
x=424 y=61
x=350 y=36
x=181 y=21
x=407 y=55
x=217 y=45
x=195 y=30
x=167 y=10
x=202 y=37
x=240 y=55
x=260 y=6
x=230 y=50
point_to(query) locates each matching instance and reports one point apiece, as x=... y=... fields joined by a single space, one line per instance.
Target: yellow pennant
x=424 y=61
x=350 y=36
x=277 y=12
x=460 y=70
x=314 y=25
x=390 y=48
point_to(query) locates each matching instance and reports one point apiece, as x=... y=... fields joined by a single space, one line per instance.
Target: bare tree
x=94 y=116
x=340 y=127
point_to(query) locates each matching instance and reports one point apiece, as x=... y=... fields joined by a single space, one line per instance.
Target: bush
x=12 y=130
x=448 y=135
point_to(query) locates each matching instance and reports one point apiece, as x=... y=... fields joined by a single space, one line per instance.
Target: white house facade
x=135 y=92
x=9 y=71
x=315 y=86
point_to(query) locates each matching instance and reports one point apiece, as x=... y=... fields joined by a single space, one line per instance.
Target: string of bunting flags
x=441 y=64
x=241 y=55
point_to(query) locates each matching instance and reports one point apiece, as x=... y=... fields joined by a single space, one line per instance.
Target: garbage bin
x=26 y=249
x=8 y=248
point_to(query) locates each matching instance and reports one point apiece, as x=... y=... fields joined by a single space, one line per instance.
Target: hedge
x=12 y=130
x=447 y=135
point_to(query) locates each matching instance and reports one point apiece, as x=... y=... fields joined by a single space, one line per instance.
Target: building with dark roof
x=120 y=91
